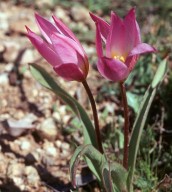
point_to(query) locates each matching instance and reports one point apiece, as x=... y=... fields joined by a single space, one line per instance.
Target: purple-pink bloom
x=123 y=45
x=60 y=48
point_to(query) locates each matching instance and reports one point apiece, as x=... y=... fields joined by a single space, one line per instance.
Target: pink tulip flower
x=60 y=48
x=123 y=45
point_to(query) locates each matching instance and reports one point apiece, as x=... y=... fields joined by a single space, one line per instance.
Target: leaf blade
x=141 y=119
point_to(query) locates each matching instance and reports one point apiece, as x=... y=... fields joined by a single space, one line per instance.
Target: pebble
x=18 y=26
x=65 y=146
x=4 y=22
x=36 y=155
x=48 y=129
x=3 y=164
x=48 y=161
x=56 y=116
x=25 y=145
x=27 y=57
x=15 y=170
x=4 y=80
x=9 y=67
x=64 y=153
x=11 y=52
x=80 y=13
x=32 y=175
x=44 y=3
x=62 y=14
x=51 y=151
x=58 y=144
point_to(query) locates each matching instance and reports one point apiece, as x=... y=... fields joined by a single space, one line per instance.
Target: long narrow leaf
x=114 y=177
x=87 y=151
x=141 y=119
x=47 y=81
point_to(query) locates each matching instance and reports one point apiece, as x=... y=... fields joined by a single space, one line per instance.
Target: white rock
x=15 y=170
x=32 y=175
x=56 y=116
x=28 y=57
x=65 y=146
x=51 y=151
x=58 y=143
x=4 y=21
x=25 y=145
x=4 y=79
x=48 y=129
x=9 y=67
x=80 y=13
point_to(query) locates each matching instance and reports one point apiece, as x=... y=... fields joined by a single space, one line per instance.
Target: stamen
x=121 y=58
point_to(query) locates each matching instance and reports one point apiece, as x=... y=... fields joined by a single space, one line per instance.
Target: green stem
x=126 y=124
x=95 y=116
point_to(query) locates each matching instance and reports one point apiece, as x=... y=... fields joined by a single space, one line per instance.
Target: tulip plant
x=123 y=47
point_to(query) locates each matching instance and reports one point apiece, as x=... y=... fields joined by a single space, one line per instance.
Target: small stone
x=28 y=57
x=58 y=143
x=4 y=22
x=51 y=151
x=19 y=181
x=48 y=129
x=56 y=116
x=9 y=67
x=4 y=80
x=3 y=165
x=2 y=48
x=80 y=13
x=64 y=153
x=11 y=52
x=44 y=3
x=18 y=26
x=65 y=146
x=25 y=145
x=62 y=14
x=32 y=175
x=15 y=170
x=36 y=155
x=48 y=161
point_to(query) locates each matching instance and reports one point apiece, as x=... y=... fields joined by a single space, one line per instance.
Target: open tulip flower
x=61 y=49
x=123 y=45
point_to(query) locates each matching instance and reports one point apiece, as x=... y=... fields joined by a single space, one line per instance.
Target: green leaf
x=47 y=81
x=114 y=177
x=88 y=151
x=159 y=76
x=133 y=101
x=141 y=119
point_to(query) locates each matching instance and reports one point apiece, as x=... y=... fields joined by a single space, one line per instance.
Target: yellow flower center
x=121 y=58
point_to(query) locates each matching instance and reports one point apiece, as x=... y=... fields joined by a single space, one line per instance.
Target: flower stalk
x=126 y=124
x=95 y=116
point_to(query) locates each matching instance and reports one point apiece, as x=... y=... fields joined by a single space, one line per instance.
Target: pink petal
x=98 y=42
x=67 y=49
x=70 y=72
x=43 y=48
x=67 y=32
x=46 y=27
x=64 y=29
x=112 y=69
x=132 y=31
x=104 y=26
x=141 y=49
x=116 y=38
x=131 y=61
